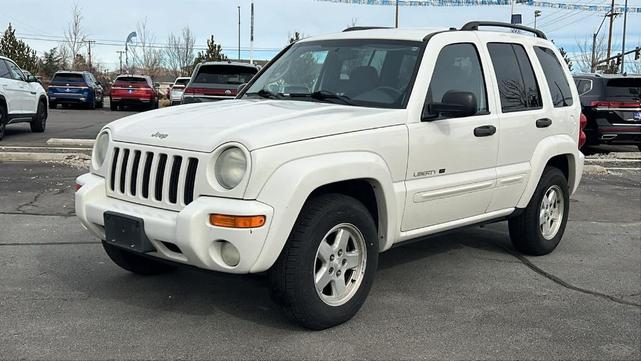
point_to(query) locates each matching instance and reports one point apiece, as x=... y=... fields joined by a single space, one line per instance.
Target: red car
x=133 y=90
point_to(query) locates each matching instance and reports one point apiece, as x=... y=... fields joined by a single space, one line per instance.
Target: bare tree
x=146 y=56
x=584 y=55
x=179 y=55
x=74 y=35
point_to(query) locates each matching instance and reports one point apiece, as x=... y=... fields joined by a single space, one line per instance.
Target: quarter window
x=555 y=77
x=518 y=88
x=458 y=68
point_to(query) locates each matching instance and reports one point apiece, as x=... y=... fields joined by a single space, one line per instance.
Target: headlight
x=100 y=150
x=230 y=167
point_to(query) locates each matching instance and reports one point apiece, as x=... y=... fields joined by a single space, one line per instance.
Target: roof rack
x=359 y=28
x=474 y=25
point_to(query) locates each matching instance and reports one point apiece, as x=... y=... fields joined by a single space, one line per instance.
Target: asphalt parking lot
x=464 y=295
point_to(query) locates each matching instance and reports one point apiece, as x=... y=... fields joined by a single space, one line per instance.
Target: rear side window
x=583 y=86
x=458 y=68
x=623 y=89
x=555 y=77
x=4 y=71
x=224 y=74
x=515 y=77
x=68 y=78
x=182 y=82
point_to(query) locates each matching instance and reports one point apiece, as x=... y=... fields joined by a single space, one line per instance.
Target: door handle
x=543 y=123
x=484 y=131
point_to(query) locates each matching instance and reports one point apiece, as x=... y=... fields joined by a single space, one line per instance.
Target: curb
x=67 y=142
x=594 y=169
x=43 y=157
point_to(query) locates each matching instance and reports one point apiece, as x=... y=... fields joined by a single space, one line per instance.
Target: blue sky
x=111 y=21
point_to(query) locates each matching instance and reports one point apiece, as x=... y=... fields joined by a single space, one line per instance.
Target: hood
x=254 y=123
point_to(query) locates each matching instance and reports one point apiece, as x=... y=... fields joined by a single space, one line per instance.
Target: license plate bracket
x=127 y=231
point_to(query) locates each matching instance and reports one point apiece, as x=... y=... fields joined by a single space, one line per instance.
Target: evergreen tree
x=50 y=63
x=18 y=51
x=214 y=52
x=566 y=58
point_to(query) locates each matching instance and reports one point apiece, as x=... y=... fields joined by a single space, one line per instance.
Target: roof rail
x=474 y=25
x=359 y=28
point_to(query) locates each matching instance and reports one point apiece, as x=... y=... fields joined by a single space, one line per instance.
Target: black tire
x=3 y=121
x=292 y=276
x=113 y=106
x=92 y=104
x=136 y=263
x=52 y=105
x=525 y=229
x=100 y=104
x=39 y=121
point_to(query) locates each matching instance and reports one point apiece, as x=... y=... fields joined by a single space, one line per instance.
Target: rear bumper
x=198 y=241
x=65 y=98
x=130 y=101
x=618 y=134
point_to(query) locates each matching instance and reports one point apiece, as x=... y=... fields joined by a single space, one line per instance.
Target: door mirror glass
x=31 y=79
x=455 y=104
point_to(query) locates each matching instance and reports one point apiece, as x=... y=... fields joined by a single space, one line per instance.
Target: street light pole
x=625 y=20
x=397 y=13
x=537 y=13
x=594 y=36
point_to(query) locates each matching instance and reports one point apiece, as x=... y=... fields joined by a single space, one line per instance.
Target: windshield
x=224 y=74
x=375 y=73
x=68 y=78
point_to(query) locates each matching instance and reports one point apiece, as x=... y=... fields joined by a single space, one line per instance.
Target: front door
x=451 y=170
x=18 y=87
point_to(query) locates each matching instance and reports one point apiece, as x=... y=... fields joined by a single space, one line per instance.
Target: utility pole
x=537 y=13
x=625 y=21
x=239 y=32
x=594 y=36
x=120 y=52
x=89 y=42
x=397 y=13
x=610 y=30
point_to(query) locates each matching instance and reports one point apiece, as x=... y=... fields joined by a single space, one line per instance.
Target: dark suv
x=213 y=81
x=75 y=87
x=612 y=106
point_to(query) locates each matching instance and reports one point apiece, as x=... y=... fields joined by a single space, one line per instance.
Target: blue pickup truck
x=75 y=88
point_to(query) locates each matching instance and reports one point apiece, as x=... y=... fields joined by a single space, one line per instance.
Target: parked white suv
x=343 y=146
x=22 y=98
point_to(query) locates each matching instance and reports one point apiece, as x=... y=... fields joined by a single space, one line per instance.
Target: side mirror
x=455 y=104
x=31 y=79
x=156 y=85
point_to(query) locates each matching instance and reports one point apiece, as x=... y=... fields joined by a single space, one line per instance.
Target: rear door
x=451 y=166
x=524 y=121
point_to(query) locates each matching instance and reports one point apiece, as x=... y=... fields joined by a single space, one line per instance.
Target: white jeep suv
x=343 y=146
x=22 y=98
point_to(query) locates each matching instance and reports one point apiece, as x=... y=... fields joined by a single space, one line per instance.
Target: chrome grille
x=159 y=178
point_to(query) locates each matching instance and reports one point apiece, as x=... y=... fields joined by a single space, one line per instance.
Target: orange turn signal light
x=227 y=221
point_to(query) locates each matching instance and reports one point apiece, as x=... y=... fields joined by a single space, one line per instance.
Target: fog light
x=230 y=254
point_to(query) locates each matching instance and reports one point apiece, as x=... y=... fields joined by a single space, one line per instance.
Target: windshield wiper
x=264 y=93
x=324 y=95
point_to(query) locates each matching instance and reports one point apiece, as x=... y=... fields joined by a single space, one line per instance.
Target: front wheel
x=3 y=121
x=327 y=267
x=39 y=121
x=136 y=263
x=538 y=230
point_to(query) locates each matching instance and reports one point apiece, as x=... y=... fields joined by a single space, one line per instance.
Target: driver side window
x=458 y=68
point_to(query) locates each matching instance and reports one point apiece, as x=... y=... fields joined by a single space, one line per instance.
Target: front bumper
x=197 y=240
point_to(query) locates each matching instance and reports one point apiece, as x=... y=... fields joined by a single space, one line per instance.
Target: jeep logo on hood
x=159 y=135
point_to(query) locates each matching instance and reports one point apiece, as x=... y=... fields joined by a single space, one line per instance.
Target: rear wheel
x=327 y=267
x=136 y=263
x=3 y=121
x=113 y=106
x=101 y=103
x=39 y=121
x=538 y=230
